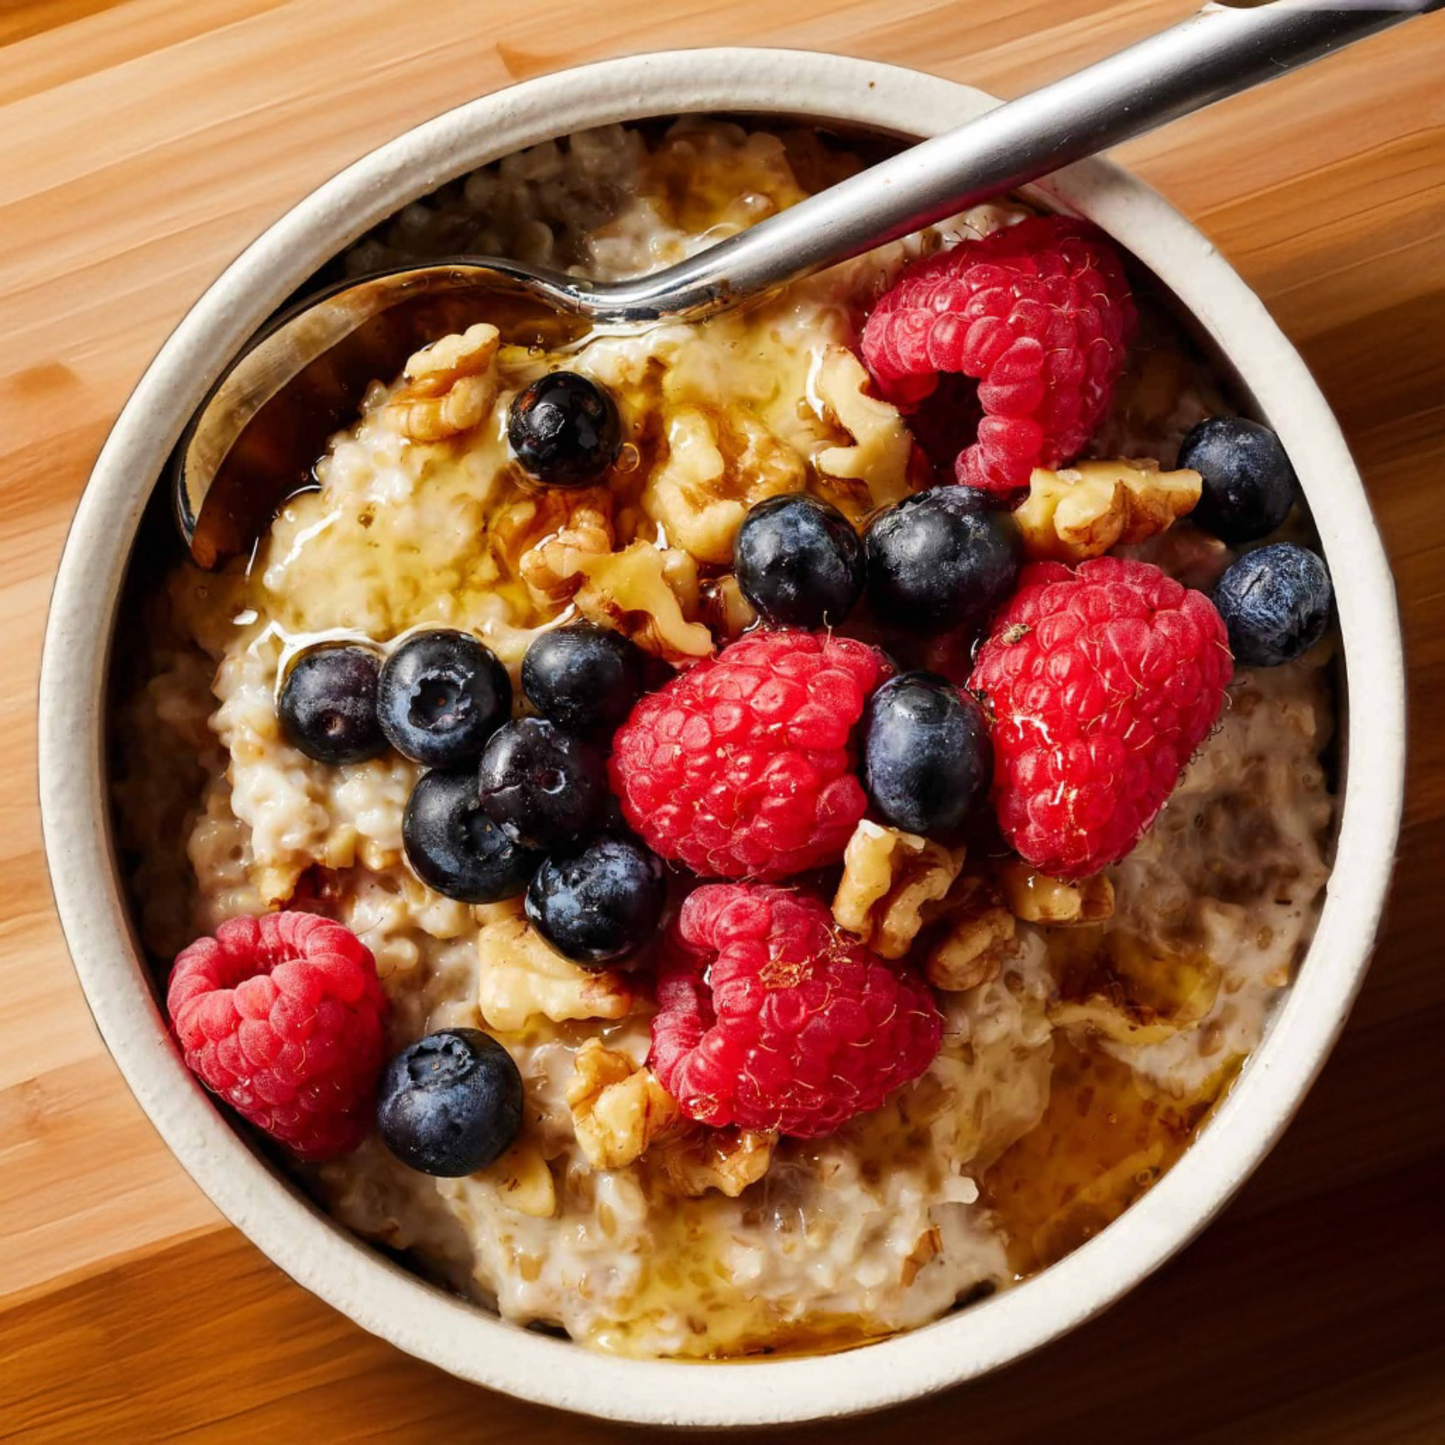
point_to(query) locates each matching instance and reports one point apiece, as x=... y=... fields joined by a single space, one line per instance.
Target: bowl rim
x=350 y=1275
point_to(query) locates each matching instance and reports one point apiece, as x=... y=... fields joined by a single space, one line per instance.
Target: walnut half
x=1082 y=511
x=882 y=444
x=447 y=387
x=712 y=473
x=617 y=1108
x=889 y=877
x=518 y=976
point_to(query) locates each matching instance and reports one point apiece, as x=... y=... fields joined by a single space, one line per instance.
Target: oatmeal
x=1076 y=1022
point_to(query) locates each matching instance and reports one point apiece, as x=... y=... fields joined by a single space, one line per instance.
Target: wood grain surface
x=142 y=145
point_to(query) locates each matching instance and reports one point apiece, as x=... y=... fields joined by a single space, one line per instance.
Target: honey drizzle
x=1105 y=1139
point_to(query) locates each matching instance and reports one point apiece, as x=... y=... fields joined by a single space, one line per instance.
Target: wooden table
x=142 y=144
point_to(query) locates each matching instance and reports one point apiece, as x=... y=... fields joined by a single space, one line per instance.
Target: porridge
x=805 y=975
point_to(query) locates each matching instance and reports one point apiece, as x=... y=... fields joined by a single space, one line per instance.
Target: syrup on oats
x=1088 y=1028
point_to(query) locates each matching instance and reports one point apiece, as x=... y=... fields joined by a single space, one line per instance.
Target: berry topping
x=600 y=905
x=564 y=429
x=927 y=757
x=441 y=696
x=1102 y=680
x=769 y=1017
x=282 y=1017
x=1275 y=602
x=940 y=558
x=743 y=766
x=799 y=561
x=1248 y=482
x=584 y=677
x=328 y=705
x=544 y=788
x=455 y=848
x=1039 y=314
x=451 y=1103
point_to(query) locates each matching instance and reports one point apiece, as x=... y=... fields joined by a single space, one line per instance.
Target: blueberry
x=927 y=756
x=940 y=558
x=1249 y=485
x=451 y=1103
x=441 y=696
x=455 y=848
x=584 y=677
x=564 y=429
x=328 y=705
x=543 y=787
x=1276 y=602
x=799 y=561
x=600 y=905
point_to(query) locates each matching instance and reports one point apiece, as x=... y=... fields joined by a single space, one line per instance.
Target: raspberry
x=282 y=1017
x=742 y=767
x=770 y=1018
x=1038 y=313
x=1102 y=680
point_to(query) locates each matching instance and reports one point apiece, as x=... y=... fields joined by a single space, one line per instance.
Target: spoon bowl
x=252 y=443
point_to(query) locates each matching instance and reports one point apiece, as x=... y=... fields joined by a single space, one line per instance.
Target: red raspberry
x=770 y=1018
x=1102 y=679
x=282 y=1017
x=1039 y=313
x=742 y=767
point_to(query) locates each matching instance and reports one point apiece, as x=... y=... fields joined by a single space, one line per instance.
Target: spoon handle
x=1215 y=54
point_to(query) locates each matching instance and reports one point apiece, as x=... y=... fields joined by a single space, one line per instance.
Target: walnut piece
x=697 y=1159
x=617 y=1108
x=552 y=569
x=524 y=1181
x=447 y=387
x=725 y=609
x=648 y=595
x=882 y=443
x=889 y=877
x=980 y=936
x=1037 y=898
x=711 y=474
x=519 y=975
x=1082 y=511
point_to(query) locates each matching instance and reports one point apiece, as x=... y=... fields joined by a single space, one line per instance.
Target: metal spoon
x=253 y=440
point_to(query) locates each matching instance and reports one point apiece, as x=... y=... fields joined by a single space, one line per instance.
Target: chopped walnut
x=699 y=1158
x=524 y=1181
x=882 y=443
x=725 y=609
x=519 y=975
x=1082 y=511
x=617 y=1108
x=712 y=473
x=979 y=937
x=648 y=595
x=447 y=387
x=552 y=567
x=1037 y=898
x=889 y=877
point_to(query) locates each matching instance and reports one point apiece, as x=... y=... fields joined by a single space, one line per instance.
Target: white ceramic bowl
x=354 y=1278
